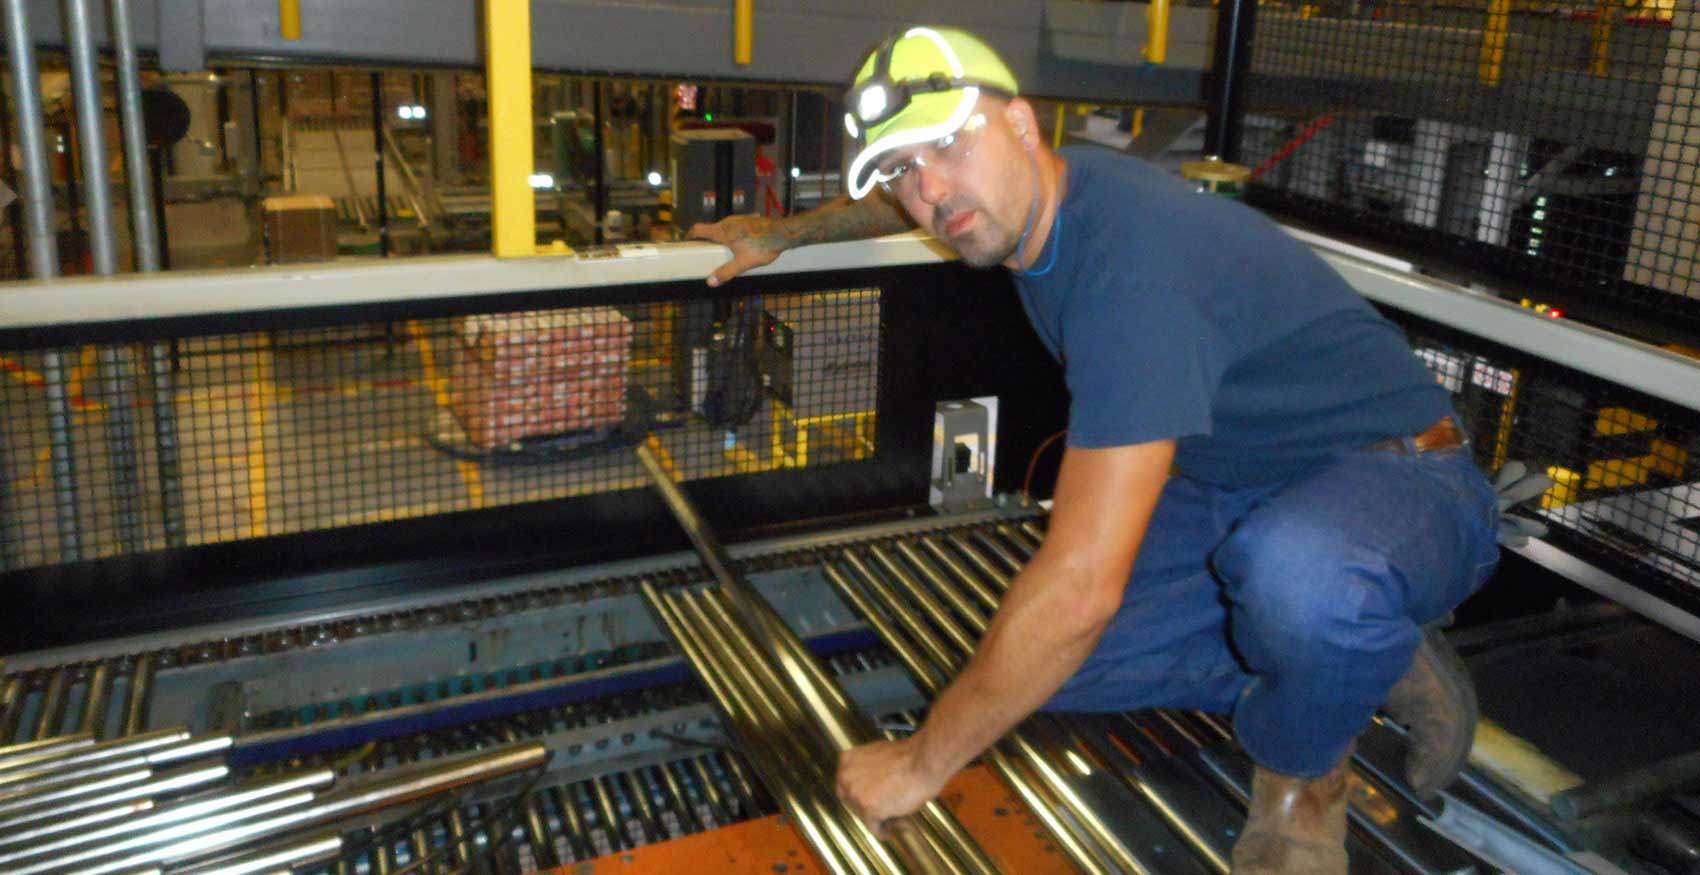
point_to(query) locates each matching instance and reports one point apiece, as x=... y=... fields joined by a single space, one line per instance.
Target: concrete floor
x=298 y=431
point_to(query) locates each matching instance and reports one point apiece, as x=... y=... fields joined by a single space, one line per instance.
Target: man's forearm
x=843 y=219
x=1040 y=636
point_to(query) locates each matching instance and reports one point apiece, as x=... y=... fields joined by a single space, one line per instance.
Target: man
x=1325 y=508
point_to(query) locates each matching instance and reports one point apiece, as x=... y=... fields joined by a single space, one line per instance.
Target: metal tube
x=17 y=755
x=1000 y=552
x=736 y=661
x=134 y=846
x=143 y=230
x=36 y=188
x=114 y=361
x=52 y=777
x=982 y=593
x=20 y=818
x=739 y=719
x=918 y=631
x=964 y=606
x=1225 y=123
x=53 y=703
x=1020 y=541
x=378 y=164
x=11 y=713
x=996 y=575
x=80 y=749
x=282 y=858
x=141 y=691
x=168 y=823
x=144 y=233
x=91 y=819
x=88 y=788
x=93 y=719
x=972 y=619
x=390 y=788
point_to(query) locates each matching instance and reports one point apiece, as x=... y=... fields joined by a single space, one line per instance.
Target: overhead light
x=796 y=172
x=542 y=180
x=654 y=177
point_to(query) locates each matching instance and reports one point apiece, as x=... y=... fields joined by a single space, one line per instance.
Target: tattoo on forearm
x=844 y=219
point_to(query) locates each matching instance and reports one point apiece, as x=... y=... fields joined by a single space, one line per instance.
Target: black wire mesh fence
x=281 y=432
x=1624 y=465
x=1556 y=142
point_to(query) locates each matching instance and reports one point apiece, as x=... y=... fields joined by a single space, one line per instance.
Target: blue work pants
x=1295 y=605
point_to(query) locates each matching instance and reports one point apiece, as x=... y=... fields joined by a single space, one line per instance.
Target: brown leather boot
x=1296 y=826
x=1436 y=702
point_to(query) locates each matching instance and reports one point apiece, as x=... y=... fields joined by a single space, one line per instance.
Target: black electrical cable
x=408 y=825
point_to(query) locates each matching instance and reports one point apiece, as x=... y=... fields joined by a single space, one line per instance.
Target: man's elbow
x=1092 y=609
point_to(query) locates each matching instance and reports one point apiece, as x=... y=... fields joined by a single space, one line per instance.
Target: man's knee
x=1299 y=587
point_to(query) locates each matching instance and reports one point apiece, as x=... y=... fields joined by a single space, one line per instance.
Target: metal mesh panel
x=279 y=432
x=1626 y=467
x=1556 y=142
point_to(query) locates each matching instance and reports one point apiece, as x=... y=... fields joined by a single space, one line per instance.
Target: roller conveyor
x=602 y=743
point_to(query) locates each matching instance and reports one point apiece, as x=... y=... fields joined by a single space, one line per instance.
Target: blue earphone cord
x=1033 y=216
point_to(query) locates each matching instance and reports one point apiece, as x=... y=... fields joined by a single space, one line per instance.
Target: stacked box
x=300 y=228
x=520 y=375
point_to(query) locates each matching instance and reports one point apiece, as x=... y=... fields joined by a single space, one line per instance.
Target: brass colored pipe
x=740 y=720
x=140 y=696
x=1041 y=806
x=93 y=720
x=971 y=582
x=996 y=575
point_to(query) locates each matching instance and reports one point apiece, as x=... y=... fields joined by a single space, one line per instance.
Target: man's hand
x=885 y=779
x=754 y=241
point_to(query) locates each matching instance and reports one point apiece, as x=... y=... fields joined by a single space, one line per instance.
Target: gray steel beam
x=1056 y=48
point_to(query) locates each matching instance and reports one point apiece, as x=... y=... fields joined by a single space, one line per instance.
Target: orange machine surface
x=769 y=846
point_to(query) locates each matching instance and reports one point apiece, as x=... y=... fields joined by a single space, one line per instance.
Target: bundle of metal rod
x=799 y=698
x=256 y=826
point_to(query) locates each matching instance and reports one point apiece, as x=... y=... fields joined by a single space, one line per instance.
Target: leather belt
x=1443 y=435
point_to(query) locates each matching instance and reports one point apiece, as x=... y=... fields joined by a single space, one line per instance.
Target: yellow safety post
x=1494 y=33
x=507 y=72
x=1604 y=13
x=743 y=31
x=289 y=19
x=1056 y=136
x=1157 y=32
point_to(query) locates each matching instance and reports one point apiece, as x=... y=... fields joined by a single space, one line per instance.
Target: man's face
x=971 y=190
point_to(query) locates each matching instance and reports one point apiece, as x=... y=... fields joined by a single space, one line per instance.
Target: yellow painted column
x=507 y=67
x=1494 y=33
x=289 y=19
x=1600 y=62
x=743 y=31
x=1157 y=32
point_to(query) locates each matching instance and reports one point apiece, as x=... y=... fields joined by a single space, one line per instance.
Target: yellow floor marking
x=469 y=472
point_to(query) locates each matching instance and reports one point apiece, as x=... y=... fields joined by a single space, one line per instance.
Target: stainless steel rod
x=965 y=854
x=80 y=749
x=41 y=833
x=385 y=789
x=999 y=551
x=281 y=858
x=144 y=235
x=155 y=825
x=93 y=720
x=952 y=566
x=996 y=575
x=52 y=714
x=824 y=697
x=740 y=721
x=1032 y=531
x=139 y=696
x=36 y=184
x=11 y=713
x=962 y=634
x=116 y=375
x=22 y=817
x=23 y=754
x=1077 y=847
x=91 y=787
x=787 y=720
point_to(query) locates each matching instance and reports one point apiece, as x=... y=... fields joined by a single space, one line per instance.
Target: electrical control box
x=714 y=175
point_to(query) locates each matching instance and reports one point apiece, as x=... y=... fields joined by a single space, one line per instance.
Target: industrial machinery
x=308 y=640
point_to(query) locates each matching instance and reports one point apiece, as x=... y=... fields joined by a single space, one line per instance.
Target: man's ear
x=1019 y=114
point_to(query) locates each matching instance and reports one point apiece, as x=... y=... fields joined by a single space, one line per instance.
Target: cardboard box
x=300 y=228
x=520 y=375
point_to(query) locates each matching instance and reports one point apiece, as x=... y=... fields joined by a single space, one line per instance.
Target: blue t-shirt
x=1190 y=316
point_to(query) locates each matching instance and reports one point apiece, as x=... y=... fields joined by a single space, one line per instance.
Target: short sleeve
x=1142 y=365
